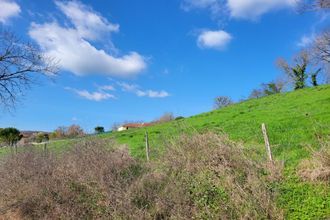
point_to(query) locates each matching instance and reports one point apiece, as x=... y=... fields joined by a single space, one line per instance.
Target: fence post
x=264 y=132
x=45 y=149
x=147 y=146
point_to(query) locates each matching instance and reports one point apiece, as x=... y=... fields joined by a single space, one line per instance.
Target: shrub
x=317 y=168
x=206 y=177
x=179 y=118
x=99 y=130
x=87 y=182
x=10 y=136
x=199 y=177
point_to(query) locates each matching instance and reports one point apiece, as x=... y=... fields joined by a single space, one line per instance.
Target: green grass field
x=296 y=121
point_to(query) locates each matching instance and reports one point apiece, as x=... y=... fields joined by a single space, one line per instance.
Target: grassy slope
x=295 y=122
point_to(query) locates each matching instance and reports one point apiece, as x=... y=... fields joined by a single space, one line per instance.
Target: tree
x=320 y=52
x=297 y=71
x=314 y=77
x=312 y=5
x=272 y=87
x=167 y=116
x=222 y=101
x=60 y=132
x=10 y=136
x=75 y=131
x=20 y=64
x=99 y=129
x=41 y=137
x=256 y=93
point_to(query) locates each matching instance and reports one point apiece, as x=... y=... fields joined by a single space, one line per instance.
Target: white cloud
x=214 y=39
x=142 y=93
x=75 y=53
x=93 y=96
x=252 y=9
x=152 y=94
x=244 y=9
x=88 y=23
x=8 y=9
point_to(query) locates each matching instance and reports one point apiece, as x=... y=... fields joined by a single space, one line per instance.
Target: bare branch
x=20 y=65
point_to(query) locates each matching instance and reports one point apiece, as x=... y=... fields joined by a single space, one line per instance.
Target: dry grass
x=317 y=168
x=89 y=181
x=200 y=176
x=207 y=177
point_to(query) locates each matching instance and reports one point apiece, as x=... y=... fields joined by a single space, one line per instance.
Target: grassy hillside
x=296 y=122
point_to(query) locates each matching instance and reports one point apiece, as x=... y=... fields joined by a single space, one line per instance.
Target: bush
x=89 y=181
x=199 y=177
x=179 y=118
x=206 y=177
x=317 y=168
x=99 y=130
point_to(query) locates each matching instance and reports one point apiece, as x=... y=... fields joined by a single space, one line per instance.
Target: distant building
x=133 y=125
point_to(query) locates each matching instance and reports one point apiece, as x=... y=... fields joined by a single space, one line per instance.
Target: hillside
x=297 y=122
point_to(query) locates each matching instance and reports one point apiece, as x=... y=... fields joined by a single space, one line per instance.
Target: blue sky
x=134 y=60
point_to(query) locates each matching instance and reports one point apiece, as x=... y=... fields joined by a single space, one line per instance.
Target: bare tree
x=297 y=70
x=312 y=5
x=75 y=131
x=167 y=116
x=222 y=101
x=321 y=47
x=20 y=64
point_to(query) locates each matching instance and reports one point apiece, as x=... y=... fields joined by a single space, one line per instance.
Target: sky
x=135 y=60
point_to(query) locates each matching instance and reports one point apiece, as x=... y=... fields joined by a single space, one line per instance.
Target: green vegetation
x=298 y=123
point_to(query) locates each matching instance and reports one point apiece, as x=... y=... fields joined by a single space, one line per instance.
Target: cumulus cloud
x=241 y=9
x=92 y=96
x=72 y=46
x=142 y=93
x=252 y=9
x=8 y=9
x=214 y=39
x=88 y=23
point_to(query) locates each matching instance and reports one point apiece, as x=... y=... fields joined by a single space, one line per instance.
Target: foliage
x=10 y=136
x=266 y=89
x=222 y=101
x=179 y=118
x=41 y=137
x=99 y=130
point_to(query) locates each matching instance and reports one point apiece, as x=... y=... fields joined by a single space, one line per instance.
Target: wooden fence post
x=264 y=132
x=45 y=149
x=147 y=146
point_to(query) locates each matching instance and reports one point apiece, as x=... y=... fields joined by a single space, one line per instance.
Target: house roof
x=136 y=125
